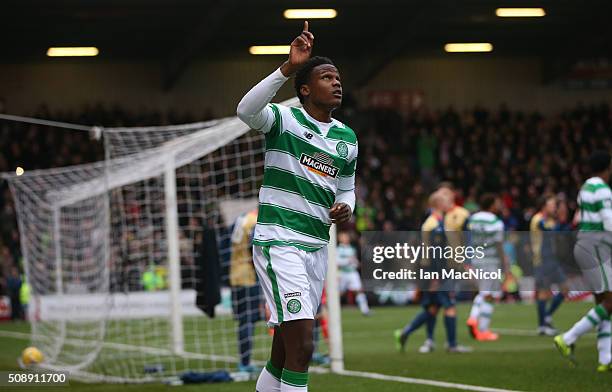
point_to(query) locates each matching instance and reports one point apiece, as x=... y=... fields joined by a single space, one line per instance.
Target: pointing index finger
x=305 y=25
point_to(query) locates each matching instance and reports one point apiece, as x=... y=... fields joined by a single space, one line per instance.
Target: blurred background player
x=349 y=276
x=510 y=286
x=246 y=302
x=543 y=228
x=455 y=223
x=153 y=278
x=13 y=284
x=487 y=230
x=435 y=294
x=593 y=253
x=321 y=328
x=456 y=218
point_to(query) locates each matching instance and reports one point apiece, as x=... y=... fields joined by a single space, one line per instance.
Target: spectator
x=24 y=296
x=13 y=284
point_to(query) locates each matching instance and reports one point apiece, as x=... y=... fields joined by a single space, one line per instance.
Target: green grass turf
x=516 y=361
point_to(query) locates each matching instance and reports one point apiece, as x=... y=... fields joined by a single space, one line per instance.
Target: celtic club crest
x=342 y=149
x=294 y=306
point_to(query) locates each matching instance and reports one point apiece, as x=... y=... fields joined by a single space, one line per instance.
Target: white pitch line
x=154 y=350
x=16 y=335
x=350 y=373
x=522 y=332
x=420 y=381
x=516 y=332
x=502 y=331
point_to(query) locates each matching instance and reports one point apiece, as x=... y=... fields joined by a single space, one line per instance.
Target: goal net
x=118 y=254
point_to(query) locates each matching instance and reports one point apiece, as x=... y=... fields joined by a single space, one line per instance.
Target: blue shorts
x=444 y=299
x=245 y=303
x=547 y=274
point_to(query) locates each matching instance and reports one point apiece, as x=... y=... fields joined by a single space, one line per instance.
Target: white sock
x=604 y=342
x=484 y=317
x=475 y=311
x=585 y=324
x=362 y=302
x=267 y=382
x=294 y=381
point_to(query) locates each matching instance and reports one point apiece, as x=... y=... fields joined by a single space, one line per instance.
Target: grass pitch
x=520 y=360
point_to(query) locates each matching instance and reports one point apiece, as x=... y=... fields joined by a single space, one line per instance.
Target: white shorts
x=292 y=281
x=490 y=287
x=350 y=281
x=593 y=254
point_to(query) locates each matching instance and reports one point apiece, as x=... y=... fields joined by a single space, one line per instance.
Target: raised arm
x=253 y=109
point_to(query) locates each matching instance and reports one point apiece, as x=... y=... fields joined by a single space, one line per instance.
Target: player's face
x=449 y=194
x=497 y=205
x=551 y=206
x=325 y=87
x=445 y=202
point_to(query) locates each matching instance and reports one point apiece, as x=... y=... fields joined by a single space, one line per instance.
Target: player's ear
x=305 y=90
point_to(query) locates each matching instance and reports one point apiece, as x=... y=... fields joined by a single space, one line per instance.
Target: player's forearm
x=502 y=256
x=288 y=69
x=536 y=243
x=537 y=254
x=346 y=197
x=252 y=109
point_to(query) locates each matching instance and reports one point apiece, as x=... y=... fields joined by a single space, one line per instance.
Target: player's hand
x=299 y=53
x=340 y=213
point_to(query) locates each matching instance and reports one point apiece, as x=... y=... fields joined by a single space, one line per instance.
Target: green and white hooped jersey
x=305 y=167
x=486 y=230
x=345 y=255
x=595 y=203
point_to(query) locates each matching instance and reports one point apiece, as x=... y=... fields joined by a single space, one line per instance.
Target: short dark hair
x=542 y=200
x=487 y=200
x=599 y=161
x=447 y=185
x=303 y=74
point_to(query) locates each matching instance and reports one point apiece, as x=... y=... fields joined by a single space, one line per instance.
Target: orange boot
x=487 y=336
x=472 y=325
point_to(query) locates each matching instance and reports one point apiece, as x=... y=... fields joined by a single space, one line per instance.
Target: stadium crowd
x=517 y=155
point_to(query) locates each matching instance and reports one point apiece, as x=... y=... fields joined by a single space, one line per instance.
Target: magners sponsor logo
x=320 y=163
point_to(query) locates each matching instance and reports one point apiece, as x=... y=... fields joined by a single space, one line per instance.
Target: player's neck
x=319 y=114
